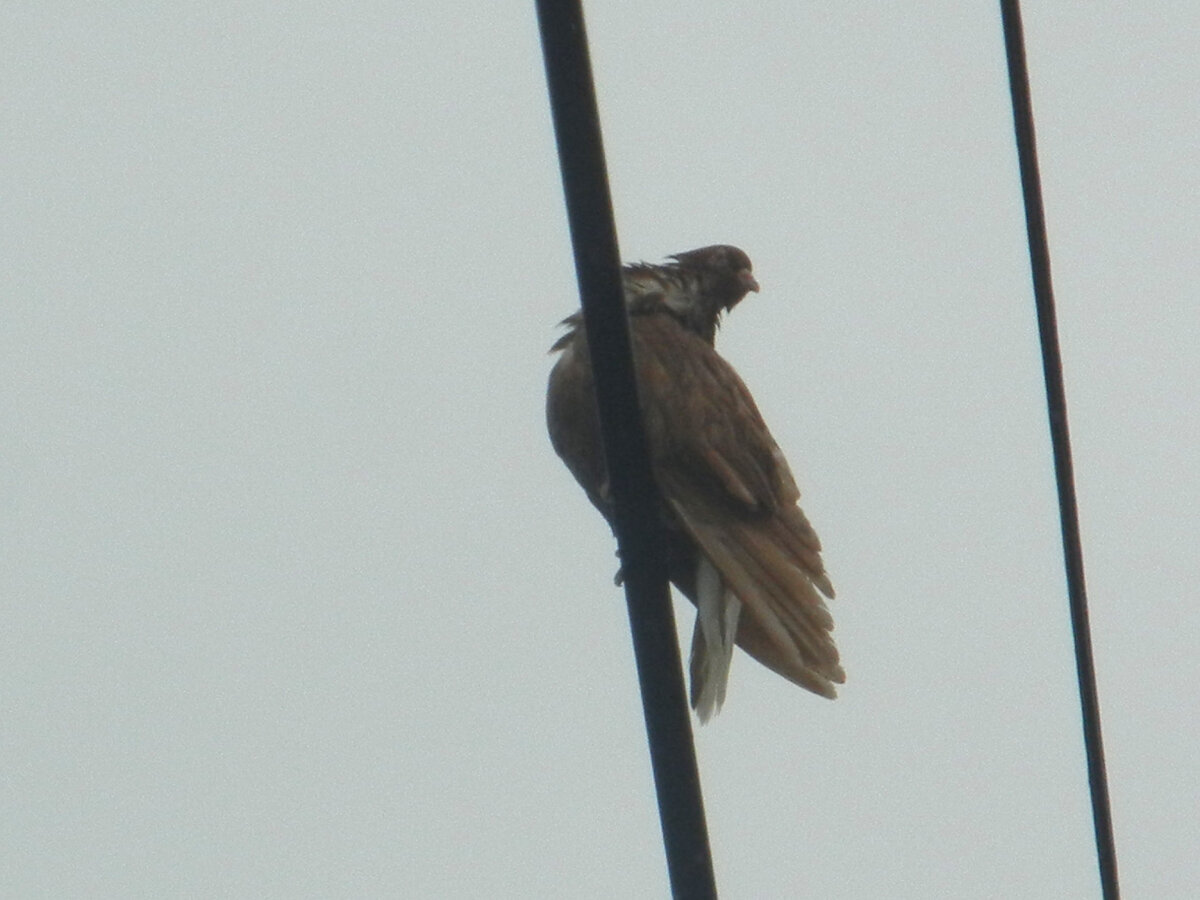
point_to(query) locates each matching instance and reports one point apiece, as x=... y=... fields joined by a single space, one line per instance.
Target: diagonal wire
x=1056 y=400
x=640 y=539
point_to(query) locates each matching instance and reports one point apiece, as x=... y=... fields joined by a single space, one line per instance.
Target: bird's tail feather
x=717 y=613
x=786 y=625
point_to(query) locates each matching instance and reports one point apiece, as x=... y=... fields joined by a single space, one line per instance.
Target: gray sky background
x=295 y=598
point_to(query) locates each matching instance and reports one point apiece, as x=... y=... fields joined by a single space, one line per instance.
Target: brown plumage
x=739 y=546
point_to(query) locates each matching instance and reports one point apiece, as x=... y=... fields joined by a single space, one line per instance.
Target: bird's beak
x=747 y=280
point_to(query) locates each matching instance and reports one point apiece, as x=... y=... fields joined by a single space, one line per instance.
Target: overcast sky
x=297 y=601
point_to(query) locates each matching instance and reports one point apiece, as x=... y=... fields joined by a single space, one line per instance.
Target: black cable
x=640 y=539
x=1056 y=401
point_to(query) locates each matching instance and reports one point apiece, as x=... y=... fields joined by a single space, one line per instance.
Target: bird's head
x=722 y=272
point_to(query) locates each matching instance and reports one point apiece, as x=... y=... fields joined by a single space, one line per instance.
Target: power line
x=1056 y=401
x=638 y=526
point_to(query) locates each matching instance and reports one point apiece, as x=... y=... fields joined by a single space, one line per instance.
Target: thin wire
x=640 y=539
x=1056 y=401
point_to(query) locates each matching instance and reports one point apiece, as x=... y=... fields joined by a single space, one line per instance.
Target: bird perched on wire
x=739 y=546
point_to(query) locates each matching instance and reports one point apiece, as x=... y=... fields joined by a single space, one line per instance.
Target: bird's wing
x=571 y=417
x=724 y=478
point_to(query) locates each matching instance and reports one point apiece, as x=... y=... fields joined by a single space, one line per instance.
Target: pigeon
x=739 y=547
